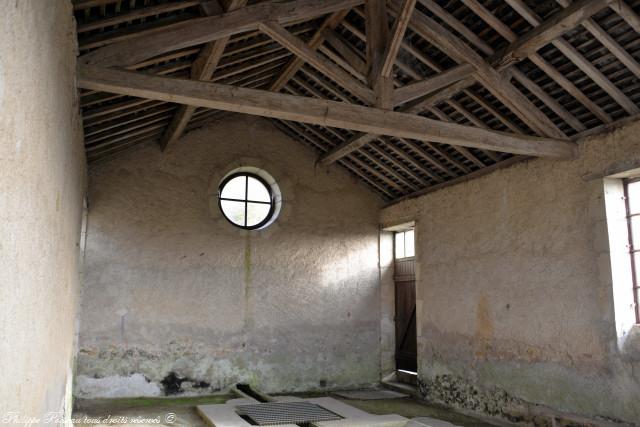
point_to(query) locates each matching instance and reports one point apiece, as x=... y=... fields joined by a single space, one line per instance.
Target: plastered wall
x=42 y=182
x=514 y=288
x=174 y=293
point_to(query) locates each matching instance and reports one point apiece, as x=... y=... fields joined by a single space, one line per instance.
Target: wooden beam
x=508 y=34
x=349 y=65
x=347 y=147
x=458 y=26
x=391 y=146
x=385 y=66
x=202 y=69
x=399 y=163
x=462 y=150
x=548 y=31
x=323 y=83
x=350 y=55
x=296 y=63
x=485 y=74
x=582 y=63
x=493 y=111
x=422 y=153
x=627 y=13
x=596 y=75
x=381 y=164
x=207 y=29
x=98 y=112
x=554 y=105
x=136 y=14
x=605 y=128
x=85 y=4
x=352 y=163
x=609 y=42
x=425 y=87
x=332 y=71
x=95 y=129
x=377 y=35
x=571 y=88
x=553 y=73
x=377 y=30
x=319 y=112
x=467 y=114
x=296 y=134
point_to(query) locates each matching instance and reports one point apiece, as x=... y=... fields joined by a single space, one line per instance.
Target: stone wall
x=42 y=182
x=514 y=288
x=174 y=294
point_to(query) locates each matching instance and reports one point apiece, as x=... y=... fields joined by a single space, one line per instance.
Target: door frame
x=387 y=297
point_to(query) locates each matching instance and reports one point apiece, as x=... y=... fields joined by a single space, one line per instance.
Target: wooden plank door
x=405 y=292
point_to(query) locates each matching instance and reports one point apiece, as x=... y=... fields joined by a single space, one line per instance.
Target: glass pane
x=256 y=213
x=409 y=244
x=235 y=188
x=234 y=211
x=257 y=191
x=636 y=260
x=400 y=245
x=634 y=197
x=635 y=231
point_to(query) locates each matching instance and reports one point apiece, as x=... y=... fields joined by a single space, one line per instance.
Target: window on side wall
x=622 y=203
x=632 y=207
x=404 y=244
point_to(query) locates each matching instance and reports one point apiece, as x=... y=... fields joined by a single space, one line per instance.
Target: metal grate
x=276 y=413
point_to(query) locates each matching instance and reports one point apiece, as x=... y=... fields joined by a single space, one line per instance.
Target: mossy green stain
x=139 y=402
x=247 y=279
x=247 y=260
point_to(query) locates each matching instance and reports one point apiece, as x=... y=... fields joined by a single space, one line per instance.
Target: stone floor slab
x=370 y=394
x=224 y=415
x=429 y=422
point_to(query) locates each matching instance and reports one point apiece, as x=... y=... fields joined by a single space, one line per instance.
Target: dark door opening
x=405 y=305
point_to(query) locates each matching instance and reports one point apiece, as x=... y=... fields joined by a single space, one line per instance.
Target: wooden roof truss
x=408 y=95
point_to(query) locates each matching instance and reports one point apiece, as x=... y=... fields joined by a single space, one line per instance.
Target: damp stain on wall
x=484 y=327
x=247 y=279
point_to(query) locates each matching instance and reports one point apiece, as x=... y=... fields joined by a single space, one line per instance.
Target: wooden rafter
x=296 y=63
x=370 y=138
x=137 y=14
x=346 y=51
x=603 y=37
x=426 y=103
x=207 y=29
x=424 y=87
x=546 y=32
x=489 y=77
x=304 y=52
x=507 y=33
x=202 y=69
x=347 y=147
x=580 y=61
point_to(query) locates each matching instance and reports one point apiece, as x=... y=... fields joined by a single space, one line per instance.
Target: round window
x=246 y=200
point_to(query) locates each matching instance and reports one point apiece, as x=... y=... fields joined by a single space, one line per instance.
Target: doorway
x=405 y=301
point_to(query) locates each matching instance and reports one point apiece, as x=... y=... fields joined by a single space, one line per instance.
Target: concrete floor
x=178 y=412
